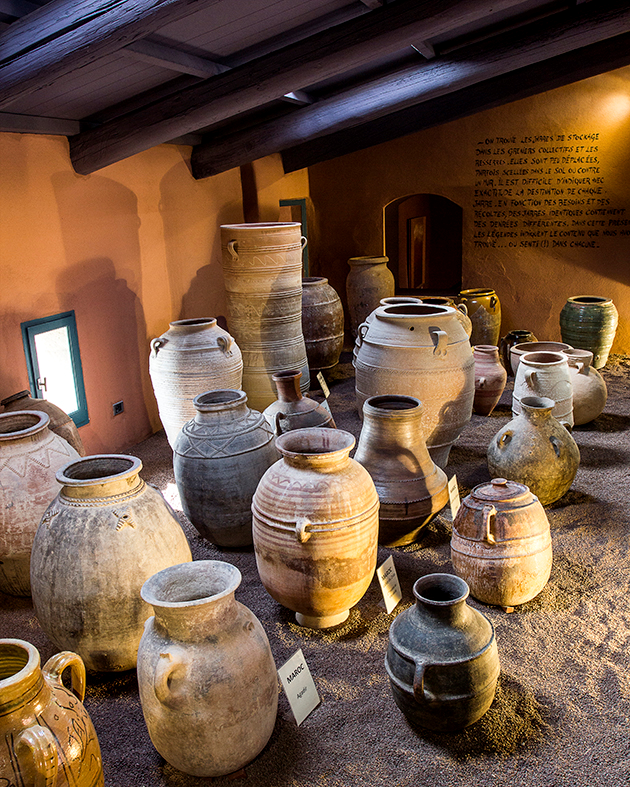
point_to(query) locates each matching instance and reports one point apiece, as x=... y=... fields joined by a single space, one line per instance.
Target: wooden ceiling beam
x=253 y=84
x=64 y=35
x=407 y=87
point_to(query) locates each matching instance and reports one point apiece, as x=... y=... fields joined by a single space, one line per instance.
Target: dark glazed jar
x=442 y=659
x=508 y=341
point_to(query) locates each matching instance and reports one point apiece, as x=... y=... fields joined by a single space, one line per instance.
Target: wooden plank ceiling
x=310 y=79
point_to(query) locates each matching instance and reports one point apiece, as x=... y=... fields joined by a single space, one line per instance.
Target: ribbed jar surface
x=589 y=322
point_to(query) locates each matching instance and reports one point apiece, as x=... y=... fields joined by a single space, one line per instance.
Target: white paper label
x=453 y=496
x=390 y=586
x=299 y=686
x=326 y=406
x=324 y=386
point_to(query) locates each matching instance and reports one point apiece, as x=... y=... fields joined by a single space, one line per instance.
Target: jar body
x=442 y=658
x=589 y=322
x=490 y=378
x=545 y=374
x=206 y=676
x=60 y=421
x=421 y=351
x=292 y=410
x=536 y=450
x=99 y=540
x=589 y=389
x=322 y=323
x=46 y=735
x=315 y=525
x=501 y=543
x=410 y=487
x=218 y=459
x=30 y=455
x=484 y=310
x=262 y=271
x=368 y=281
x=193 y=356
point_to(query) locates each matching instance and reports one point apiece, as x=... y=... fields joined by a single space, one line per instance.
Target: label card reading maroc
x=299 y=686
x=390 y=586
x=453 y=496
x=324 y=386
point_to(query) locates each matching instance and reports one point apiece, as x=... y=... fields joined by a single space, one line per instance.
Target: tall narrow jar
x=99 y=540
x=207 y=679
x=219 y=457
x=411 y=488
x=262 y=270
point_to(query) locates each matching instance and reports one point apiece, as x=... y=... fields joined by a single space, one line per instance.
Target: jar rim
x=219 y=399
x=16 y=424
x=98 y=469
x=32 y=661
x=441 y=590
x=315 y=442
x=191 y=584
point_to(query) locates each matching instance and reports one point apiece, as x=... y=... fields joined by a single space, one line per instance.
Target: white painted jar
x=545 y=374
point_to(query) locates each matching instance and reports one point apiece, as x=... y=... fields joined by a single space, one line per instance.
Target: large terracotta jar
x=535 y=449
x=589 y=322
x=99 y=540
x=60 y=421
x=207 y=679
x=46 y=735
x=422 y=351
x=484 y=310
x=490 y=378
x=411 y=488
x=501 y=543
x=219 y=458
x=545 y=374
x=262 y=270
x=368 y=281
x=193 y=356
x=508 y=341
x=589 y=389
x=517 y=351
x=292 y=410
x=442 y=658
x=316 y=526
x=322 y=323
x=30 y=455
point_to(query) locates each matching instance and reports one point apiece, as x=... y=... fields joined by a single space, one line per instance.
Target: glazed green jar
x=589 y=322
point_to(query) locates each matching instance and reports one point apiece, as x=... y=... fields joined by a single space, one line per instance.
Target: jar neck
x=21 y=679
x=393 y=428
x=232 y=412
x=455 y=613
x=288 y=387
x=197 y=621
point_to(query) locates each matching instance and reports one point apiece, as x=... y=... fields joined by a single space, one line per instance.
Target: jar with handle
x=292 y=410
x=47 y=738
x=517 y=351
x=589 y=389
x=484 y=311
x=545 y=374
x=490 y=378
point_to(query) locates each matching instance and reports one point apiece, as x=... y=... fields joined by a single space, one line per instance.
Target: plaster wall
x=533 y=281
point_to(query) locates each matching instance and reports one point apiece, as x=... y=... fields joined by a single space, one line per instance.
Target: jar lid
x=500 y=489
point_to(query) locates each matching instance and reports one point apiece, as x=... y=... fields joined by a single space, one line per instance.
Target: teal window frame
x=301 y=203
x=30 y=330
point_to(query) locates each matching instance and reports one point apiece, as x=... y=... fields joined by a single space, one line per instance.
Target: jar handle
x=531 y=378
x=581 y=367
x=463 y=308
x=493 y=301
x=480 y=382
x=303 y=242
x=156 y=344
x=225 y=343
x=361 y=331
x=231 y=247
x=488 y=514
x=169 y=662
x=440 y=341
x=420 y=692
x=277 y=430
x=301 y=532
x=504 y=439
x=40 y=744
x=56 y=665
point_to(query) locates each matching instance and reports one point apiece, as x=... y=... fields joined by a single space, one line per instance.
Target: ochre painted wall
x=129 y=248
x=533 y=281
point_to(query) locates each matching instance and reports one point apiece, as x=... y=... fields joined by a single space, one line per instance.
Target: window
x=54 y=364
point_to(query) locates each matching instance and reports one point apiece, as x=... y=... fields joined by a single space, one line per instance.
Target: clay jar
x=60 y=421
x=30 y=455
x=316 y=526
x=46 y=735
x=322 y=323
x=292 y=410
x=490 y=378
x=442 y=658
x=501 y=544
x=536 y=450
x=484 y=310
x=518 y=350
x=589 y=322
x=422 y=351
x=368 y=281
x=395 y=300
x=508 y=341
x=193 y=356
x=545 y=374
x=589 y=389
x=206 y=676
x=461 y=310
x=411 y=488
x=262 y=271
x=98 y=541
x=218 y=459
